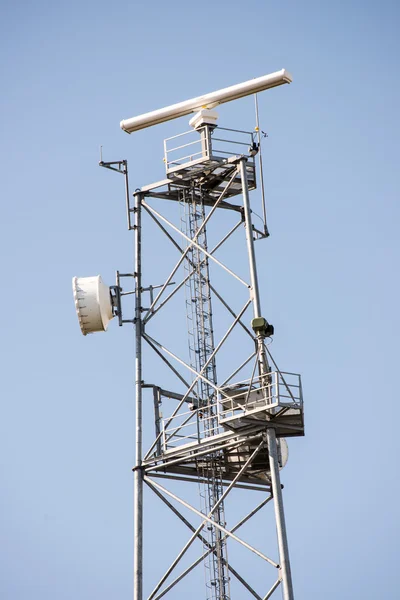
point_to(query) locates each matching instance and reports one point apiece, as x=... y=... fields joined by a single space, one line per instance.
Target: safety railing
x=259 y=396
x=193 y=147
x=188 y=427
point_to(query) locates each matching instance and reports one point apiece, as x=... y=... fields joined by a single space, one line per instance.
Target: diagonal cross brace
x=217 y=525
x=192 y=243
x=184 y=253
x=196 y=533
x=212 y=288
x=204 y=555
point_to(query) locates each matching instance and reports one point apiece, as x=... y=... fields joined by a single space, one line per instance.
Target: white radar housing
x=211 y=100
x=93 y=303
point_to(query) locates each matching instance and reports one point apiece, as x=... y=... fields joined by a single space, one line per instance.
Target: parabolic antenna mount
x=93 y=303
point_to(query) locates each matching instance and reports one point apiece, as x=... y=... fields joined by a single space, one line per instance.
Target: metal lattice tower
x=223 y=429
x=225 y=435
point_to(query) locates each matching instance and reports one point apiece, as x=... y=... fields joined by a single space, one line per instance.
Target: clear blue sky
x=69 y=73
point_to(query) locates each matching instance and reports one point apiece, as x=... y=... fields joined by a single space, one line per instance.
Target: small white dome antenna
x=93 y=303
x=283 y=452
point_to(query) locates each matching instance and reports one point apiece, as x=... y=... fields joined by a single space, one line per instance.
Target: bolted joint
x=261 y=326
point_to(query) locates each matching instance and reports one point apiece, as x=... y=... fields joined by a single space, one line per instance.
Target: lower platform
x=229 y=451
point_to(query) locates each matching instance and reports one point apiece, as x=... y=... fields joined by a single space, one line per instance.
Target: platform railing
x=182 y=150
x=185 y=428
x=258 y=397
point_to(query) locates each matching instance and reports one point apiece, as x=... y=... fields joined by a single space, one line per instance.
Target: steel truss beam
x=184 y=364
x=203 y=556
x=174 y=476
x=160 y=492
x=191 y=454
x=153 y=343
x=192 y=243
x=198 y=560
x=182 y=251
x=212 y=522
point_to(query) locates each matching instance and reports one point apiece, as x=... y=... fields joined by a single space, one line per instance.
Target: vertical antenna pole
x=260 y=164
x=255 y=293
x=137 y=472
x=128 y=208
x=271 y=435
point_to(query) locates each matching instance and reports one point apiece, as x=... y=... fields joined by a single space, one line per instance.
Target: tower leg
x=271 y=435
x=137 y=472
x=279 y=516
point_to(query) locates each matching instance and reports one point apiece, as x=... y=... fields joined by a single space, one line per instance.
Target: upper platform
x=206 y=160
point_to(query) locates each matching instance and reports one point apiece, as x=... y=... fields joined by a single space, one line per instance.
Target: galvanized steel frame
x=149 y=467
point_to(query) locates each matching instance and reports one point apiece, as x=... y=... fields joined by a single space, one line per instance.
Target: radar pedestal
x=207 y=157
